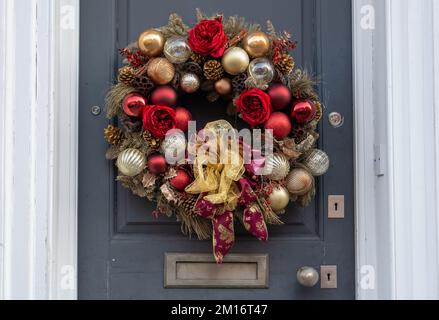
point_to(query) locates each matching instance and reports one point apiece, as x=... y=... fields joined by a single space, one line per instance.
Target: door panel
x=122 y=247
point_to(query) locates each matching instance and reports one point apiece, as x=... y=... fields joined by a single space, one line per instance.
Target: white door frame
x=397 y=238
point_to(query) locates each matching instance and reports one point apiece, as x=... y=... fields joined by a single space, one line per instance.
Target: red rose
x=208 y=38
x=158 y=120
x=303 y=111
x=254 y=106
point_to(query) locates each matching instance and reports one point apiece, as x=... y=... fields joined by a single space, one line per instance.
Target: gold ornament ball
x=235 y=61
x=279 y=165
x=151 y=43
x=299 y=182
x=256 y=44
x=161 y=71
x=279 y=199
x=223 y=87
x=190 y=83
x=131 y=162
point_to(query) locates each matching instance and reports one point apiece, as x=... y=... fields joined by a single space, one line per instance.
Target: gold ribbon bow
x=218 y=165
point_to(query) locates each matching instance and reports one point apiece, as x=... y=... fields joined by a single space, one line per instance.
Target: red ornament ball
x=181 y=180
x=182 y=117
x=157 y=164
x=280 y=96
x=303 y=111
x=280 y=124
x=164 y=96
x=133 y=105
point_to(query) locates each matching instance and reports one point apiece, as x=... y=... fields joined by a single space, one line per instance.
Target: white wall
x=396 y=103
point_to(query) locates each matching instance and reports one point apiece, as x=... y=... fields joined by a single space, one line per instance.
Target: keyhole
x=336 y=206
x=329 y=277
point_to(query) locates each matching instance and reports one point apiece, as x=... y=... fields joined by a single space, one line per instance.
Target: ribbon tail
x=254 y=223
x=223 y=235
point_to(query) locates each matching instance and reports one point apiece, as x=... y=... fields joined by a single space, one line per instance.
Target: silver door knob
x=307 y=277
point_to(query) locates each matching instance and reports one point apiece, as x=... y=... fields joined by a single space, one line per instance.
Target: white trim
x=396 y=106
x=63 y=225
x=38 y=132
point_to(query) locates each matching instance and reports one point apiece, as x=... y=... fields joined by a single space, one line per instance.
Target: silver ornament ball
x=317 y=162
x=190 y=83
x=261 y=70
x=174 y=147
x=279 y=166
x=177 y=50
x=131 y=162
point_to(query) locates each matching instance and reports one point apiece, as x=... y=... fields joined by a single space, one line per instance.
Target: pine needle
x=114 y=98
x=271 y=31
x=302 y=84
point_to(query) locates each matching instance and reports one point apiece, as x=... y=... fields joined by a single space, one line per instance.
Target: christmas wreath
x=253 y=72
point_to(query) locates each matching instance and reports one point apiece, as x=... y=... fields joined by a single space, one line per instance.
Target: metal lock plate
x=336 y=119
x=328 y=277
x=336 y=207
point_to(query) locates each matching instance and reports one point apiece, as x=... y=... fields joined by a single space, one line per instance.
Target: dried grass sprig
x=175 y=27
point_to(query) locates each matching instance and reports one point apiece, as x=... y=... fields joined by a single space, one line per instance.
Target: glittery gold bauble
x=317 y=162
x=279 y=199
x=223 y=87
x=279 y=166
x=151 y=43
x=161 y=71
x=235 y=61
x=299 y=182
x=131 y=162
x=190 y=83
x=256 y=44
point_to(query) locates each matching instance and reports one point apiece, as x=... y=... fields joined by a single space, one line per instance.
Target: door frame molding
x=39 y=158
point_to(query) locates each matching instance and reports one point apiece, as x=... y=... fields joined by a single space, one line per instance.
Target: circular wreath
x=253 y=71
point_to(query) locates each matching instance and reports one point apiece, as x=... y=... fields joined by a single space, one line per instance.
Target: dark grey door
x=122 y=247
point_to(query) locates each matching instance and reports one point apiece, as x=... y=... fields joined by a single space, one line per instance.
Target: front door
x=125 y=253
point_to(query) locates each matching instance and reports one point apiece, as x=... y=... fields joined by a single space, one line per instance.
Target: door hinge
x=379 y=160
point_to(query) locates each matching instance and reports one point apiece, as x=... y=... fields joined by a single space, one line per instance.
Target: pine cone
x=126 y=75
x=285 y=64
x=192 y=67
x=238 y=82
x=143 y=83
x=187 y=204
x=152 y=142
x=319 y=113
x=299 y=135
x=213 y=70
x=113 y=135
x=195 y=57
